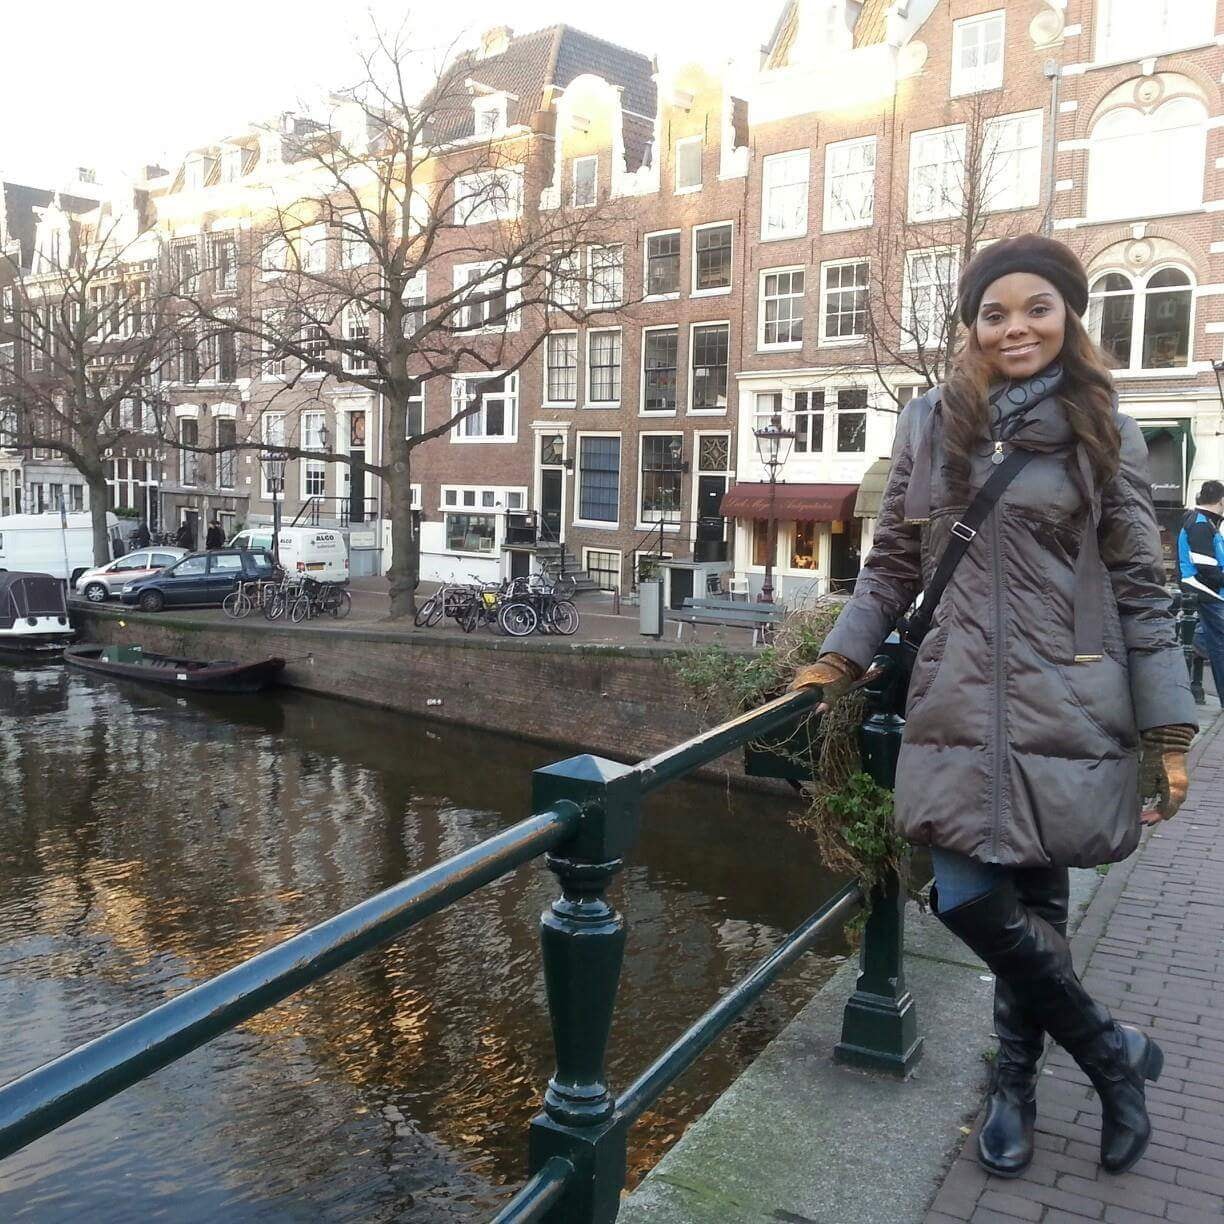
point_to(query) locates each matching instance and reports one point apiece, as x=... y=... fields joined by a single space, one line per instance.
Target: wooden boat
x=34 y=624
x=187 y=675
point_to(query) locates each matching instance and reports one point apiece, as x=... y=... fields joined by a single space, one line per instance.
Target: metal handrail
x=588 y=814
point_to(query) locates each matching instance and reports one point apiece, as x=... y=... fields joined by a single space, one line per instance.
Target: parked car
x=199 y=579
x=318 y=552
x=99 y=584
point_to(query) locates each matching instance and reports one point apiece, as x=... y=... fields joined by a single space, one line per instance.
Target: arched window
x=1169 y=143
x=1143 y=325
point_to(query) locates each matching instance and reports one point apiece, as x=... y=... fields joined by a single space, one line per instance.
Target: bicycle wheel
x=236 y=604
x=341 y=605
x=299 y=610
x=425 y=613
x=565 y=617
x=564 y=586
x=518 y=619
x=275 y=607
x=469 y=618
x=438 y=611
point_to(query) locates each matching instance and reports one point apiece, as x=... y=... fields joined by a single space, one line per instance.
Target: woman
x=1050 y=670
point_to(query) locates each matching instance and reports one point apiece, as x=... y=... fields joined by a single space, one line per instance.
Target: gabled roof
x=20 y=223
x=870 y=28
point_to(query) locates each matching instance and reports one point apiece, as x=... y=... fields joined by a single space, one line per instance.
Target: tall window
x=356 y=335
x=607 y=276
x=562 y=361
x=844 y=311
x=809 y=422
x=936 y=177
x=274 y=354
x=1126 y=30
x=494 y=409
x=314 y=471
x=414 y=305
x=225 y=350
x=977 y=53
x=781 y=311
x=604 y=367
x=1011 y=162
x=186 y=259
x=598 y=479
x=708 y=381
x=490 y=195
x=712 y=257
x=688 y=164
x=1143 y=324
x=565 y=279
x=353 y=249
x=223 y=255
x=189 y=460
x=586 y=181
x=1169 y=143
x=491 y=297
x=275 y=260
x=851 y=420
x=662 y=460
x=188 y=359
x=312 y=340
x=784 y=192
x=312 y=248
x=663 y=264
x=929 y=297
x=416 y=408
x=227 y=460
x=849 y=201
x=659 y=346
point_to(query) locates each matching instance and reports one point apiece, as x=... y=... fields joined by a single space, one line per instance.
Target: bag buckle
x=962 y=532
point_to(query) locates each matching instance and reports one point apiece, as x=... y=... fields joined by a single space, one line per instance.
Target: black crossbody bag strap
x=963 y=532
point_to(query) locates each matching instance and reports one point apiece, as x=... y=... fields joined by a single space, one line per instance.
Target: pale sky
x=114 y=86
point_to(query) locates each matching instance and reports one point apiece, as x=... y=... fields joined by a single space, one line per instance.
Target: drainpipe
x=1052 y=75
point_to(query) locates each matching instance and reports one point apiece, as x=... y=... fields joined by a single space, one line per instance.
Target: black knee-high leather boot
x=1005 y=1142
x=1022 y=947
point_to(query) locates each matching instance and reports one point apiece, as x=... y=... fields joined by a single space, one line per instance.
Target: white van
x=318 y=552
x=36 y=543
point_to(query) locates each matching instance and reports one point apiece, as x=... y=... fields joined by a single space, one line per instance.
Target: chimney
x=495 y=41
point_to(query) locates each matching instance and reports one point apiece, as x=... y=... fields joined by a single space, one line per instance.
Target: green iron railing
x=588 y=816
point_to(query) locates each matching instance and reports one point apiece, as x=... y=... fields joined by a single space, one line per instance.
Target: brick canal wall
x=623 y=702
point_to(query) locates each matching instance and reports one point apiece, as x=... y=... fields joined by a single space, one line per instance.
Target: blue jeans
x=1210 y=636
x=960 y=878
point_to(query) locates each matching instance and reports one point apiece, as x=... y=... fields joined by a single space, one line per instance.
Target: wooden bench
x=758 y=617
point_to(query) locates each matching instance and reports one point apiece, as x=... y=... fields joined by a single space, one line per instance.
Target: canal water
x=148 y=841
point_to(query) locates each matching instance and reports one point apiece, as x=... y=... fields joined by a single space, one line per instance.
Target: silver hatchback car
x=99 y=584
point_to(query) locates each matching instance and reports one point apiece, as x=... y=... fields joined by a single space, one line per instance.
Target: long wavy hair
x=1086 y=394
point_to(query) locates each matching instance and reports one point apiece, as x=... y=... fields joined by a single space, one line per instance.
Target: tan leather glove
x=832 y=673
x=1163 y=777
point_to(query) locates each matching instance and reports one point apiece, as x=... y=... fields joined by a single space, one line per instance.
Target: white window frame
x=686 y=142
x=1139 y=308
x=582 y=161
x=833 y=177
x=312 y=243
x=709 y=412
x=548 y=401
x=272 y=316
x=415 y=299
x=642 y=410
x=798 y=229
x=789 y=345
x=595 y=301
x=590 y=401
x=597 y=524
x=232 y=158
x=512 y=396
x=568 y=276
x=501 y=495
x=490 y=207
x=834 y=341
x=952 y=176
x=489 y=104
x=353 y=328
x=611 y=552
x=641 y=523
x=269 y=424
x=977 y=79
x=1155 y=39
x=513 y=282
x=419 y=398
x=718 y=290
x=274 y=258
x=908 y=339
x=354 y=251
x=1030 y=180
x=675 y=293
x=315 y=466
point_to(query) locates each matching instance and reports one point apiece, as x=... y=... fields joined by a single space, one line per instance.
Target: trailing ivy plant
x=848 y=814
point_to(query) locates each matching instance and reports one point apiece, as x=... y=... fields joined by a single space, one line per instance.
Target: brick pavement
x=1153 y=943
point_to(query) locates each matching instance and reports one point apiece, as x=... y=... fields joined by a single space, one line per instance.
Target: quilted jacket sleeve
x=1130 y=549
x=891 y=576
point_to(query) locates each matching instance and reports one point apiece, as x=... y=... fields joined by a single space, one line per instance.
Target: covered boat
x=188 y=675
x=33 y=616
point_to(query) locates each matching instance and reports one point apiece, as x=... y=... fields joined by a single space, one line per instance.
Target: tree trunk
x=99 y=504
x=405 y=546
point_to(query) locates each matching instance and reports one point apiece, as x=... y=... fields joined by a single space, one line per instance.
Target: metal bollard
x=880 y=1021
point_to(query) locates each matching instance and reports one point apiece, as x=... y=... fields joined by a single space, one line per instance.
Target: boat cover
x=23 y=595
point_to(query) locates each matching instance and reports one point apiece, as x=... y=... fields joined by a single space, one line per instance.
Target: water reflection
x=150 y=842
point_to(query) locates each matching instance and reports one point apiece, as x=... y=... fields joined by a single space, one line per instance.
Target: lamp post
x=774 y=447
x=274 y=461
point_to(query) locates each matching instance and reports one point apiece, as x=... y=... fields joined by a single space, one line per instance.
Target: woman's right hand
x=833 y=674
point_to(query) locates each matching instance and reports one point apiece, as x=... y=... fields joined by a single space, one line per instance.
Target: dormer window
x=490 y=115
x=195 y=173
x=231 y=164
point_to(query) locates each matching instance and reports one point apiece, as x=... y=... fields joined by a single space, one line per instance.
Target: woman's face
x=1021 y=324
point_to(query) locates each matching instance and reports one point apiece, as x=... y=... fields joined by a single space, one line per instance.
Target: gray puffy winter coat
x=1015 y=752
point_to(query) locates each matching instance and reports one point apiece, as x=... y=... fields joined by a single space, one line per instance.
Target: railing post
x=583 y=943
x=880 y=1021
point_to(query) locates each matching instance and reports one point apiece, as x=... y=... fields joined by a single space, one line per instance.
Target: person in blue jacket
x=1200 y=557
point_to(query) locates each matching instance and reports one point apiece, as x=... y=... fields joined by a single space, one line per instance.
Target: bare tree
x=410 y=250
x=84 y=339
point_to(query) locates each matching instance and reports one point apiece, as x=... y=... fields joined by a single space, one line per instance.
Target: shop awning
x=824 y=503
x=871 y=491
x=1170 y=458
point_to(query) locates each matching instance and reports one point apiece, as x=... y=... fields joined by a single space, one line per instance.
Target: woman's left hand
x=1163 y=771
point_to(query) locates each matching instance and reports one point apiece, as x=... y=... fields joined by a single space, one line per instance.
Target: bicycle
x=247 y=597
x=318 y=599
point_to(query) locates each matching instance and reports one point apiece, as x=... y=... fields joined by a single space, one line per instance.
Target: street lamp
x=274 y=461
x=774 y=447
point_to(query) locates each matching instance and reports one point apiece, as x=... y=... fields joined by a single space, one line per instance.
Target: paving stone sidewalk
x=1153 y=940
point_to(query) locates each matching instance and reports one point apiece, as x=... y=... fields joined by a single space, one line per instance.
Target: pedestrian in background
x=185 y=537
x=1051 y=669
x=1200 y=559
x=215 y=537
x=140 y=537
